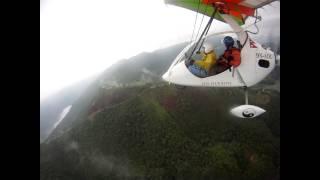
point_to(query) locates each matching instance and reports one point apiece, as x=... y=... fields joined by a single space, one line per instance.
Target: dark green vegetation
x=164 y=132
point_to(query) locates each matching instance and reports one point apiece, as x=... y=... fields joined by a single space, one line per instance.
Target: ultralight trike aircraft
x=256 y=61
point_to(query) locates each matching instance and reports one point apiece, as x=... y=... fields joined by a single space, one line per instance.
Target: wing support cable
x=195 y=21
x=205 y=31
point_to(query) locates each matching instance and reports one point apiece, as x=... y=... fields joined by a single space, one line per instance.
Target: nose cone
x=165 y=76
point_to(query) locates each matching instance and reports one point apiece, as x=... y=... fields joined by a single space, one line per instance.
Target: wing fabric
x=238 y=9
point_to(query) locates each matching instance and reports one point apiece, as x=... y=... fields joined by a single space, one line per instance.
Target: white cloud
x=79 y=38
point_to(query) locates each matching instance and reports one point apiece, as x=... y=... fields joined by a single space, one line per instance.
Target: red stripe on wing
x=234 y=8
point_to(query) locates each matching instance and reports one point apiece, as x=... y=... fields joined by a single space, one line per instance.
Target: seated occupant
x=231 y=56
x=202 y=67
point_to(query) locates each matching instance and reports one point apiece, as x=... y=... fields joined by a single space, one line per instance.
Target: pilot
x=202 y=67
x=231 y=56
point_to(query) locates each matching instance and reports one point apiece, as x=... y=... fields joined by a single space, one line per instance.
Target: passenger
x=231 y=56
x=202 y=67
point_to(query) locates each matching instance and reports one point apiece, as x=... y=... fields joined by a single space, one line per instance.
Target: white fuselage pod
x=256 y=64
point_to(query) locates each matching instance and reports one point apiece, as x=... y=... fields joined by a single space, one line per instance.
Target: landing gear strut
x=247 y=111
x=246 y=94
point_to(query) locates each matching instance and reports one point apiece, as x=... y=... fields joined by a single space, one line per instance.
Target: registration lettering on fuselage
x=263 y=55
x=217 y=83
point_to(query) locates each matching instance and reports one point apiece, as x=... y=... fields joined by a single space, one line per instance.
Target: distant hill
x=144 y=67
x=138 y=70
x=52 y=107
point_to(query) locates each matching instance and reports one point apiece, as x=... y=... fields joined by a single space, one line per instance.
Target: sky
x=81 y=38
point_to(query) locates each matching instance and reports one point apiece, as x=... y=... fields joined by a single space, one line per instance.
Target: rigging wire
x=195 y=22
x=201 y=21
x=205 y=36
x=255 y=23
x=203 y=32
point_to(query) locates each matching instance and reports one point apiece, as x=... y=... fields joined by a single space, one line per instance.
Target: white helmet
x=207 y=47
